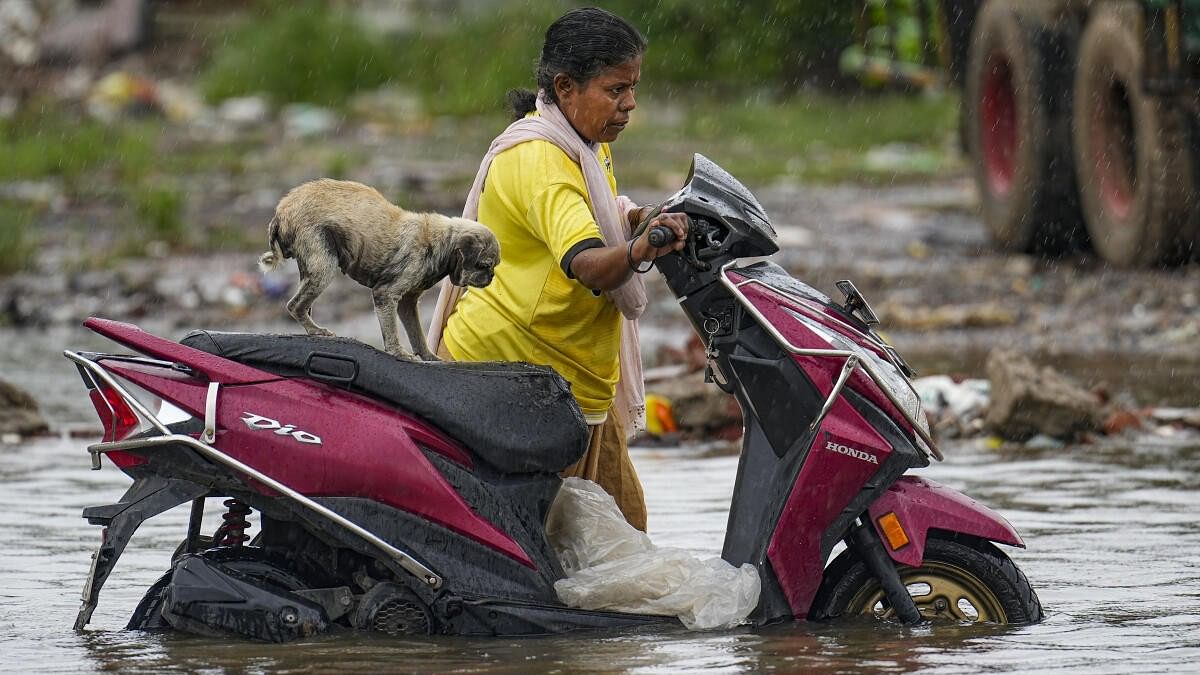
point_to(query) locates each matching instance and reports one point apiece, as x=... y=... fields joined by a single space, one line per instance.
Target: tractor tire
x=1131 y=149
x=1017 y=111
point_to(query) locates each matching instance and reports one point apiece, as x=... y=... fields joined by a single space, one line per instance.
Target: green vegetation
x=338 y=163
x=750 y=44
x=45 y=141
x=465 y=65
x=813 y=138
x=17 y=245
x=468 y=67
x=235 y=237
x=297 y=52
x=159 y=212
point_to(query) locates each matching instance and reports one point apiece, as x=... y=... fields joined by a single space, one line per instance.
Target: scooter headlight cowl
x=883 y=372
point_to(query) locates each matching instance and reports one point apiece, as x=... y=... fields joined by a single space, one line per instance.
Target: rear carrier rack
x=114 y=399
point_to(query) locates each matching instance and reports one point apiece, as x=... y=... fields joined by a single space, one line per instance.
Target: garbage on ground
x=612 y=566
x=982 y=315
x=1026 y=401
x=1120 y=420
x=955 y=408
x=20 y=21
x=660 y=416
x=122 y=93
x=19 y=412
x=1188 y=417
x=302 y=120
x=1018 y=402
x=125 y=94
x=698 y=409
x=244 y=111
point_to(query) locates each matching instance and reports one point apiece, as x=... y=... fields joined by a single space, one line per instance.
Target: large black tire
x=1131 y=148
x=961 y=579
x=1017 y=110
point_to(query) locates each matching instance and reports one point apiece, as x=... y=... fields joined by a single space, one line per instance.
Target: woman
x=566 y=293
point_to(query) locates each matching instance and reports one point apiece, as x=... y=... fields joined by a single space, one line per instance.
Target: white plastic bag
x=611 y=565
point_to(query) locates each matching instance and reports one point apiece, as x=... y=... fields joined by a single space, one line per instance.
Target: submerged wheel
x=251 y=561
x=1131 y=148
x=961 y=579
x=1017 y=127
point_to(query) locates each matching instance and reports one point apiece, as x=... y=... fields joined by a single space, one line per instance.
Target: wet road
x=1114 y=553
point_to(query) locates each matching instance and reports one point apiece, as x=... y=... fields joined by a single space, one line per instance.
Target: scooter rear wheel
x=961 y=579
x=251 y=561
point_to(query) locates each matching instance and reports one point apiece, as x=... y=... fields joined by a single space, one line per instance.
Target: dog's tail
x=273 y=258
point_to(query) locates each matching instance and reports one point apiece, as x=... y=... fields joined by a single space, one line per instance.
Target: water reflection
x=1114 y=554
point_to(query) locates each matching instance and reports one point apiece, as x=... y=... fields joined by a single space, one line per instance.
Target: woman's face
x=599 y=109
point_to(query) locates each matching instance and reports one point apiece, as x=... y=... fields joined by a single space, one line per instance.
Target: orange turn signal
x=889 y=524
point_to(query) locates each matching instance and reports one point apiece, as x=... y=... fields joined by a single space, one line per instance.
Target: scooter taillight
x=118 y=418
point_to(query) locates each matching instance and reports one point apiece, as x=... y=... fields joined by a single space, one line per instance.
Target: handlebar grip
x=660 y=235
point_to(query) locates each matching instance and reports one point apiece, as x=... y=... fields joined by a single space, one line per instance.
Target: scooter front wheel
x=961 y=579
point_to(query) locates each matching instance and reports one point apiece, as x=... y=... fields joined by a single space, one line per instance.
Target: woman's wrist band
x=633 y=265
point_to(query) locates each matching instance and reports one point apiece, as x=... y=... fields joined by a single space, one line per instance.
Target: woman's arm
x=608 y=267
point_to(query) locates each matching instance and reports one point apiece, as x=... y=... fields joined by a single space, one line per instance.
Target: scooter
x=410 y=498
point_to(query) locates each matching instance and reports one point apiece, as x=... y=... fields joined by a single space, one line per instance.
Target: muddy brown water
x=1113 y=552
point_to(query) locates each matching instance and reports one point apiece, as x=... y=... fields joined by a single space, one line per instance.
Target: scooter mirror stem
x=864 y=540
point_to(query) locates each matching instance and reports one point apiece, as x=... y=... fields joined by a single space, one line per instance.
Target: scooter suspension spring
x=233 y=531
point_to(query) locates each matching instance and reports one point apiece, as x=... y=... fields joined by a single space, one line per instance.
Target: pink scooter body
x=368 y=450
x=844 y=455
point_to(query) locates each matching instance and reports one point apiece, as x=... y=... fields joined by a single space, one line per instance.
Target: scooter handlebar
x=661 y=235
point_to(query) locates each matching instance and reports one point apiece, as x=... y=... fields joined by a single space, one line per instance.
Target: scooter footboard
x=919 y=505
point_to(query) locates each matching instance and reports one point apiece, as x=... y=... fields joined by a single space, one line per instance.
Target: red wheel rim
x=1114 y=149
x=998 y=118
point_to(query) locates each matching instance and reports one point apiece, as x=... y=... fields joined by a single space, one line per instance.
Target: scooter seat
x=515 y=417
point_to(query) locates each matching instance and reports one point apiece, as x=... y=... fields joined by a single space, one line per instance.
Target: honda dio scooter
x=410 y=498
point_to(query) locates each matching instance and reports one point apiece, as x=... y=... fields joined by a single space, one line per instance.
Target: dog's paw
x=322 y=332
x=429 y=357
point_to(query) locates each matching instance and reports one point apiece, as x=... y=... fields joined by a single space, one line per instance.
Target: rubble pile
x=1026 y=401
x=18 y=414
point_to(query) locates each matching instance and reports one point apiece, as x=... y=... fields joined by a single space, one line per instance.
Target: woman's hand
x=606 y=268
x=644 y=252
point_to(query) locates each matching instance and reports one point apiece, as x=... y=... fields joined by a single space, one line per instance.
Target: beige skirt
x=607 y=463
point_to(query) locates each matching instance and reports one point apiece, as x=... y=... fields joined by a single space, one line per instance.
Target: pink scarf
x=551 y=125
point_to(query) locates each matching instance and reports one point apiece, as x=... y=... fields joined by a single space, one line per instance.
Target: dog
x=331 y=225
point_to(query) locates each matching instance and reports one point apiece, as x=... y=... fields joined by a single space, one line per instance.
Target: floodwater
x=1114 y=554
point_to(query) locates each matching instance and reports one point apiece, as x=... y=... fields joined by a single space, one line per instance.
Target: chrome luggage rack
x=96 y=373
x=852 y=361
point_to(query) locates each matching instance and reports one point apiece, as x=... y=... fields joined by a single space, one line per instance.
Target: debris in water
x=18 y=414
x=1027 y=401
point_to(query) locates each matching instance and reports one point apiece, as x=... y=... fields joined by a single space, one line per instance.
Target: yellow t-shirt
x=535 y=200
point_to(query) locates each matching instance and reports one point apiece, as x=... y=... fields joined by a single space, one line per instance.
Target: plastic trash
x=610 y=565
x=956 y=409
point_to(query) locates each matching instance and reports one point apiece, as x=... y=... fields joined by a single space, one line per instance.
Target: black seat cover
x=516 y=417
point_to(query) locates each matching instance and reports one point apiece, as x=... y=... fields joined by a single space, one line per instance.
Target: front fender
x=922 y=505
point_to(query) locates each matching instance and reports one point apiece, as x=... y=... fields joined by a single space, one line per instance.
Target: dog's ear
x=458 y=267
